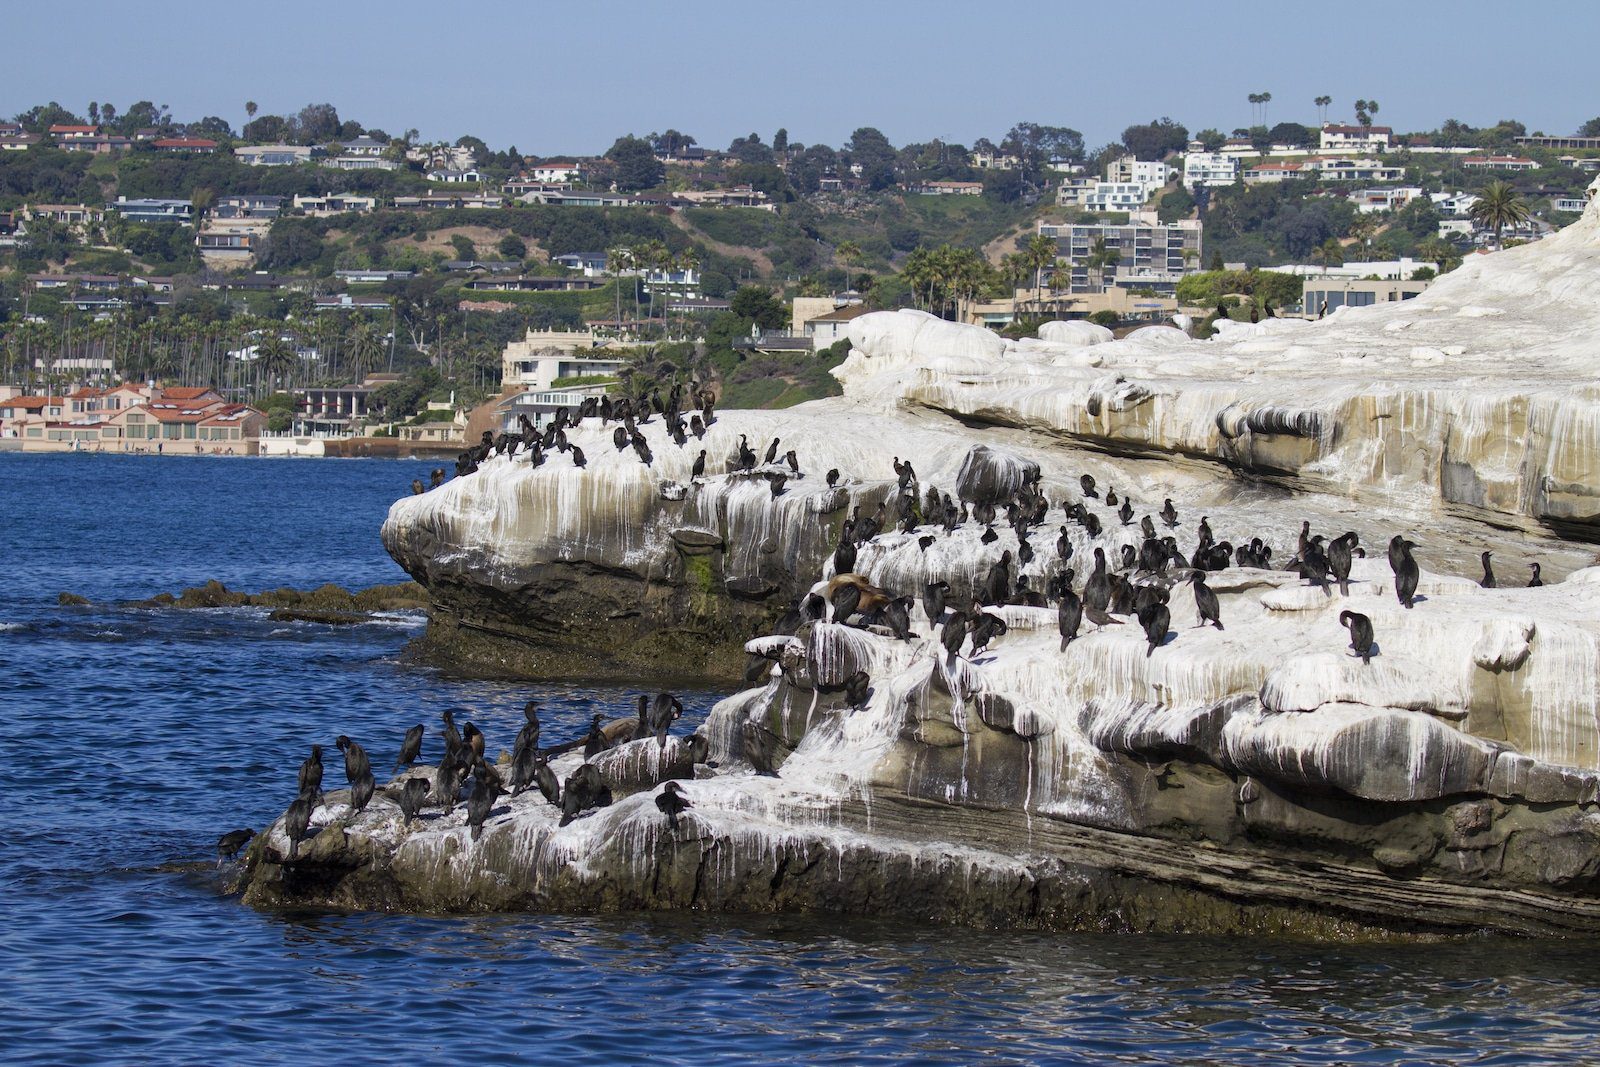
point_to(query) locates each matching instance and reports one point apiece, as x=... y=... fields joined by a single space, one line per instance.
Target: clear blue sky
x=568 y=77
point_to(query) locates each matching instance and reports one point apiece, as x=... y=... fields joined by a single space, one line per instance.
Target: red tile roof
x=30 y=403
x=184 y=142
x=75 y=129
x=185 y=392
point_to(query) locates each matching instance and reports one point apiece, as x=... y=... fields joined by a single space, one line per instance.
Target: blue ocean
x=134 y=737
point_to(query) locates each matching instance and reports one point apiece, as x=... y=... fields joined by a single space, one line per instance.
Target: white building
x=1144 y=172
x=1458 y=204
x=1117 y=196
x=1497 y=163
x=1371 y=201
x=1209 y=169
x=1356 y=170
x=1360 y=138
x=537 y=361
x=556 y=170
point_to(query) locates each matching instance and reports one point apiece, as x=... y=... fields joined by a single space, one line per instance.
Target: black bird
x=776 y=481
x=792 y=460
x=452 y=736
x=595 y=741
x=1097 y=591
x=1395 y=552
x=985 y=628
x=758 y=748
x=997 y=583
x=953 y=633
x=528 y=736
x=1169 y=514
x=924 y=541
x=417 y=488
x=410 y=747
x=697 y=426
x=1157 y=621
x=642 y=449
x=1487 y=581
x=1339 y=552
x=297 y=821
x=747 y=458
x=667 y=708
x=1406 y=574
x=523 y=769
x=855 y=689
x=545 y=778
x=1063 y=545
x=642 y=726
x=933 y=597
x=412 y=794
x=846 y=599
x=447 y=779
x=619 y=437
x=1360 y=628
x=1091 y=523
x=1088 y=486
x=472 y=738
x=361 y=791
x=1069 y=615
x=311 y=773
x=1024 y=552
x=671 y=802
x=1205 y=601
x=584 y=789
x=896 y=615
x=1537 y=580
x=229 y=844
x=1111 y=497
x=989 y=536
x=485 y=791
x=699 y=467
x=833 y=477
x=578 y=458
x=772 y=452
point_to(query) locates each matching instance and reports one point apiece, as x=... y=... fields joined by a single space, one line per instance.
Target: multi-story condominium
x=1142 y=253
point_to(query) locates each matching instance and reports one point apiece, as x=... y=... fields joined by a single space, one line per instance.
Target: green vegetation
x=1207 y=288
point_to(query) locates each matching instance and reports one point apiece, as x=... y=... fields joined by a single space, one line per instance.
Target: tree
x=317 y=122
x=1211 y=139
x=670 y=143
x=756 y=304
x=1035 y=145
x=1155 y=140
x=1329 y=253
x=1291 y=133
x=1365 y=109
x=1040 y=253
x=1003 y=185
x=512 y=247
x=1590 y=128
x=780 y=140
x=250 y=110
x=1322 y=103
x=1499 y=206
x=635 y=164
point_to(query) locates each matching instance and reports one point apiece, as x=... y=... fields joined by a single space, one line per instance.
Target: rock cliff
x=1248 y=778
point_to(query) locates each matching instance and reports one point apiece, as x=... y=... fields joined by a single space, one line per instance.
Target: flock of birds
x=463 y=769
x=1135 y=584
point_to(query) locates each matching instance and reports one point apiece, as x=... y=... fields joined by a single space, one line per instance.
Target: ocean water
x=133 y=738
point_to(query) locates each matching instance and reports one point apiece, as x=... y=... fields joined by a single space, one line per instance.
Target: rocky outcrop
x=1254 y=777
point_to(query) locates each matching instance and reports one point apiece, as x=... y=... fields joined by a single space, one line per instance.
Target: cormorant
x=667 y=708
x=1169 y=514
x=1406 y=573
x=1069 y=615
x=833 y=477
x=595 y=741
x=412 y=794
x=584 y=789
x=297 y=821
x=485 y=791
x=1156 y=620
x=671 y=802
x=410 y=747
x=699 y=467
x=1205 y=601
x=229 y=844
x=1360 y=628
x=311 y=772
x=933 y=596
x=758 y=748
x=772 y=452
x=1537 y=580
x=1087 y=483
x=1487 y=581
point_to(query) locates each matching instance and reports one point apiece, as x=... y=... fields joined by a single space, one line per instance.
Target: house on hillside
x=1497 y=163
x=335 y=204
x=247 y=206
x=276 y=155
x=556 y=171
x=1339 y=136
x=592 y=264
x=187 y=145
x=154 y=210
x=946 y=188
x=469 y=176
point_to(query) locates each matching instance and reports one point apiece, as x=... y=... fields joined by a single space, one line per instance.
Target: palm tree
x=1498 y=206
x=1365 y=109
x=1322 y=103
x=848 y=253
x=1438 y=251
x=366 y=347
x=1329 y=253
x=276 y=359
x=1266 y=98
x=250 y=110
x=1041 y=253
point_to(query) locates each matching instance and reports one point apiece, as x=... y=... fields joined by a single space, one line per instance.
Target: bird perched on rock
x=356 y=762
x=1205 y=601
x=595 y=741
x=671 y=802
x=985 y=628
x=833 y=477
x=528 y=736
x=584 y=789
x=1487 y=581
x=1406 y=575
x=578 y=458
x=1340 y=550
x=1537 y=580
x=777 y=482
x=485 y=791
x=1069 y=614
x=952 y=635
x=545 y=779
x=772 y=452
x=412 y=795
x=229 y=844
x=1157 y=621
x=699 y=468
x=1169 y=514
x=665 y=709
x=846 y=599
x=1360 y=628
x=410 y=747
x=311 y=773
x=896 y=615
x=933 y=598
x=297 y=822
x=1087 y=484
